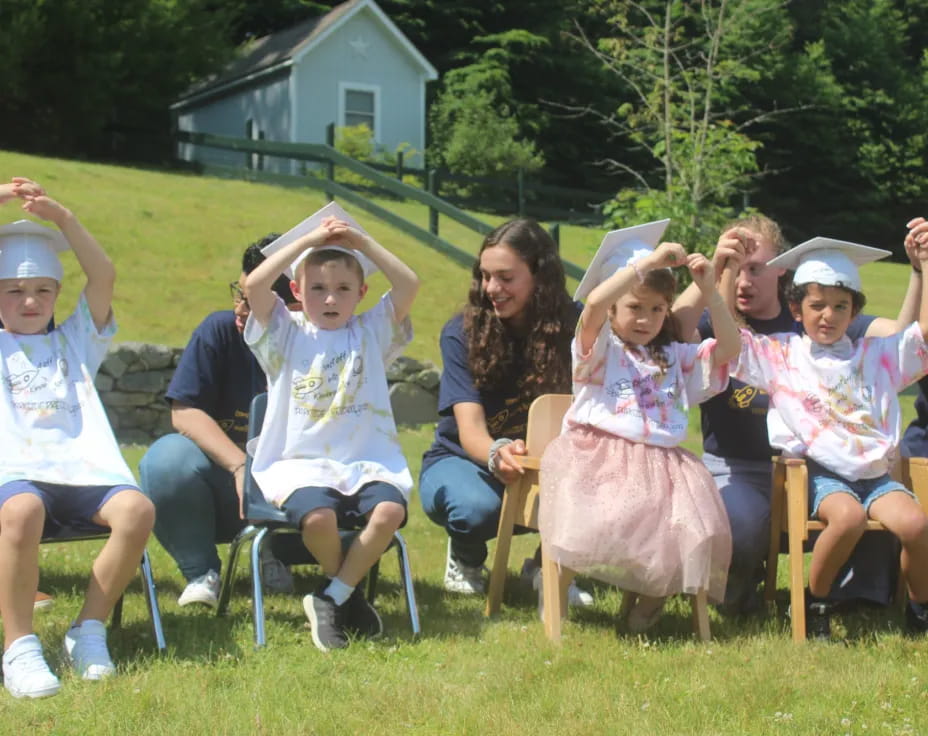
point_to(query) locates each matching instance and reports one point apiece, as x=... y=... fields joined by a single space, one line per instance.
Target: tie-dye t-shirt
x=621 y=391
x=329 y=422
x=835 y=404
x=53 y=427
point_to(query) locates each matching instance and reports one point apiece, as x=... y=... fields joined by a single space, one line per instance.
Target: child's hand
x=702 y=270
x=23 y=187
x=916 y=237
x=46 y=208
x=667 y=255
x=341 y=233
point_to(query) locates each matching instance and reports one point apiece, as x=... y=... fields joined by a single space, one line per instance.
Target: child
x=59 y=462
x=329 y=454
x=620 y=501
x=833 y=401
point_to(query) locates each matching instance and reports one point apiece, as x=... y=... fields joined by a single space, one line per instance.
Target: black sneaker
x=361 y=617
x=916 y=617
x=326 y=620
x=818 y=617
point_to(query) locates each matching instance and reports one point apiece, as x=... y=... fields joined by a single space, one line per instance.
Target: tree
x=685 y=64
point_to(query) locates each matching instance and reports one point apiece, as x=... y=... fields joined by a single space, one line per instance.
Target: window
x=359 y=106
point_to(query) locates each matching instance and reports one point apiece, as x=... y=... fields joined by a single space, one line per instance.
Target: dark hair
x=795 y=294
x=663 y=282
x=328 y=255
x=550 y=315
x=253 y=256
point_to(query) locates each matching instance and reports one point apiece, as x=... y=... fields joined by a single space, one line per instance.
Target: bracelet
x=237 y=468
x=493 y=458
x=637 y=272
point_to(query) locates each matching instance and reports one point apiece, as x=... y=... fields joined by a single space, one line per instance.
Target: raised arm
x=97 y=267
x=258 y=284
x=605 y=294
x=920 y=247
x=909 y=311
x=727 y=334
x=404 y=284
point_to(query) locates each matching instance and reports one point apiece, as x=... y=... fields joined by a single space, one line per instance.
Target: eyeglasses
x=238 y=296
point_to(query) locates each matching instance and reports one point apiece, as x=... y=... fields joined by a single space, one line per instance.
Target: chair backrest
x=255 y=505
x=545 y=416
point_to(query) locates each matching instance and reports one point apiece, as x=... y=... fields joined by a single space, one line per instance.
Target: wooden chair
x=789 y=514
x=520 y=499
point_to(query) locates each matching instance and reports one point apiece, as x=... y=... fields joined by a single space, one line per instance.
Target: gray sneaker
x=275 y=574
x=326 y=620
x=361 y=617
x=461 y=578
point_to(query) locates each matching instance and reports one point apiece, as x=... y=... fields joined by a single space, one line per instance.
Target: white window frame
x=345 y=87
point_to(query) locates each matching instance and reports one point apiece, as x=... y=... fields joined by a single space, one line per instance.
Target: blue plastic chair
x=265 y=520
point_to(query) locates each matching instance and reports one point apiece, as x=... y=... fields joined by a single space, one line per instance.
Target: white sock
x=339 y=591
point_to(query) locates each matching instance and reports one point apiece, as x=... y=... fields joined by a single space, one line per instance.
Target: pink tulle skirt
x=648 y=519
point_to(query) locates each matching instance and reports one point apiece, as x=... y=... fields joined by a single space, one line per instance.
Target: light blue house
x=349 y=66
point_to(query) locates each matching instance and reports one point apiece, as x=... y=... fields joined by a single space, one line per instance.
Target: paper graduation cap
x=332 y=209
x=28 y=251
x=618 y=249
x=828 y=262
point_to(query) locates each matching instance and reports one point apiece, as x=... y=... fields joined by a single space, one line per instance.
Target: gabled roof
x=278 y=51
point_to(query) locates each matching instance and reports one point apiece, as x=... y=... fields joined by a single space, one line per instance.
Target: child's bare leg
x=902 y=515
x=372 y=542
x=130 y=516
x=319 y=529
x=22 y=518
x=845 y=521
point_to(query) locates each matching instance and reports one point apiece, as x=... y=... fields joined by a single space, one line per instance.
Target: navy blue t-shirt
x=915 y=438
x=218 y=374
x=506 y=410
x=734 y=422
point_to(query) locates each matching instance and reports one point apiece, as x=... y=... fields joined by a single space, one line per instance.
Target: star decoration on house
x=359 y=46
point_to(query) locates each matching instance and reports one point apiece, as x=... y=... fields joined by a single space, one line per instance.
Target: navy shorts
x=350 y=511
x=70 y=507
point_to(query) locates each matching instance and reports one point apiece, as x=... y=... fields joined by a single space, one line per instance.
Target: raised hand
x=667 y=255
x=702 y=270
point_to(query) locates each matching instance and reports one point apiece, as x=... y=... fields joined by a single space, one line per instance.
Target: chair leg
x=797 y=513
x=257 y=585
x=116 y=618
x=406 y=576
x=554 y=582
x=373 y=575
x=507 y=517
x=700 y=603
x=151 y=598
x=228 y=576
x=777 y=482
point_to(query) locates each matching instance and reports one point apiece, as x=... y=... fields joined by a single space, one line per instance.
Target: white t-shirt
x=835 y=404
x=620 y=391
x=329 y=421
x=53 y=427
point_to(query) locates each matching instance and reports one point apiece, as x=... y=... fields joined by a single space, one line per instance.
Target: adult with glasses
x=195 y=475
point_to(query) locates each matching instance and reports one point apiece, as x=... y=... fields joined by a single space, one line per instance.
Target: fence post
x=330 y=165
x=432 y=187
x=555 y=231
x=399 y=166
x=520 y=183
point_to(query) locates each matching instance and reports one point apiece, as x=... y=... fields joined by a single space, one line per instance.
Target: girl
x=510 y=344
x=620 y=501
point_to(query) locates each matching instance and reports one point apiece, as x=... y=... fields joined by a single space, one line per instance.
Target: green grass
x=177 y=241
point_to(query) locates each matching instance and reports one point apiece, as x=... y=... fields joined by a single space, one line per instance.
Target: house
x=349 y=66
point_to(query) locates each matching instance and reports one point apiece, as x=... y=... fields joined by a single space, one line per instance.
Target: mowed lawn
x=177 y=241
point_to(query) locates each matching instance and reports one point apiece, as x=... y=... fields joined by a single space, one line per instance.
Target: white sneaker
x=204 y=589
x=576 y=596
x=25 y=671
x=277 y=578
x=461 y=578
x=85 y=650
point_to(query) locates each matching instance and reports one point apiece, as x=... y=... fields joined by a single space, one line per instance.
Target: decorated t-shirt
x=53 y=427
x=620 y=390
x=835 y=404
x=329 y=421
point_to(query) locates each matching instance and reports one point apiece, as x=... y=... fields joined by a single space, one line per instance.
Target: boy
x=59 y=462
x=833 y=401
x=329 y=454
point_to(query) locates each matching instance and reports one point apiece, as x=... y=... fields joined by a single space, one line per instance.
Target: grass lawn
x=177 y=241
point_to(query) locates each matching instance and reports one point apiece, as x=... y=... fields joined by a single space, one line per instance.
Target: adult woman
x=510 y=344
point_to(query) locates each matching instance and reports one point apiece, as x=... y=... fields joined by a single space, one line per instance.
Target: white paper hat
x=332 y=209
x=29 y=251
x=618 y=249
x=828 y=262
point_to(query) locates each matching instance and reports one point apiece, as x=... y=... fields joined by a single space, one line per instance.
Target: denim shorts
x=350 y=511
x=70 y=507
x=822 y=483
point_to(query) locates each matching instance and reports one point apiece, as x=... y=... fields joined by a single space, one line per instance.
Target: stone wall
x=134 y=376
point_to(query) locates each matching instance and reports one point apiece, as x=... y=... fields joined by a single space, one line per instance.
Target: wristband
x=637 y=272
x=493 y=457
x=237 y=468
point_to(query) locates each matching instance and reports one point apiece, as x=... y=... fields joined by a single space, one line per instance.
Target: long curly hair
x=550 y=315
x=663 y=282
